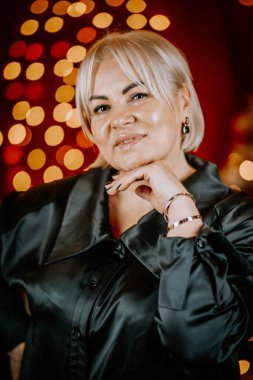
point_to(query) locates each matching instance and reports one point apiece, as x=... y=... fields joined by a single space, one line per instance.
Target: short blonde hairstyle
x=148 y=58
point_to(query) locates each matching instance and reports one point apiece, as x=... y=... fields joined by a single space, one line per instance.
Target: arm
x=205 y=307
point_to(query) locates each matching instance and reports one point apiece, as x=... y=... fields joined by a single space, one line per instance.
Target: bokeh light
x=14 y=90
x=244 y=366
x=136 y=21
x=35 y=116
x=60 y=111
x=76 y=53
x=63 y=68
x=73 y=159
x=76 y=9
x=17 y=134
x=52 y=173
x=36 y=159
x=72 y=119
x=114 y=3
x=65 y=93
x=39 y=6
x=54 y=24
x=34 y=51
x=54 y=135
x=35 y=71
x=86 y=34
x=159 y=22
x=29 y=27
x=60 y=8
x=22 y=181
x=20 y=109
x=136 y=6
x=102 y=20
x=12 y=70
x=246 y=170
x=17 y=49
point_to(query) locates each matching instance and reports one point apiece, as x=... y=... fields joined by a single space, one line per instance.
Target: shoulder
x=18 y=204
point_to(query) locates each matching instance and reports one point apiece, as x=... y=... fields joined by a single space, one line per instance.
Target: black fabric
x=140 y=307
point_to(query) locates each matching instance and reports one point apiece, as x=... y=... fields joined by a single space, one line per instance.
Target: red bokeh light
x=17 y=49
x=14 y=90
x=12 y=154
x=59 y=49
x=34 y=91
x=34 y=51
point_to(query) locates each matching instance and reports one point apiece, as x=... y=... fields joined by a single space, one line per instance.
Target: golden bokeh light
x=21 y=181
x=72 y=119
x=136 y=6
x=76 y=53
x=54 y=135
x=65 y=93
x=76 y=9
x=35 y=116
x=39 y=6
x=53 y=24
x=60 y=111
x=35 y=71
x=20 y=109
x=114 y=3
x=73 y=159
x=36 y=159
x=60 y=8
x=159 y=22
x=90 y=5
x=136 y=21
x=12 y=70
x=102 y=20
x=63 y=68
x=71 y=78
x=246 y=170
x=29 y=27
x=244 y=366
x=52 y=173
x=17 y=134
x=1 y=138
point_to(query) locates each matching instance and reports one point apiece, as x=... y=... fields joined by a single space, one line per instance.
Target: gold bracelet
x=165 y=212
x=185 y=220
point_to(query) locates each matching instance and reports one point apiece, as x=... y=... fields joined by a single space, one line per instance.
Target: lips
x=127 y=141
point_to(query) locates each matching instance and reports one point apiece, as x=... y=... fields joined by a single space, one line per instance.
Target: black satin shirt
x=143 y=306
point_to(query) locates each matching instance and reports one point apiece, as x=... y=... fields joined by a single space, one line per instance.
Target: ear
x=185 y=98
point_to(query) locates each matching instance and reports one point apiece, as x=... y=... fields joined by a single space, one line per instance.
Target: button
x=201 y=243
x=76 y=333
x=93 y=283
x=120 y=250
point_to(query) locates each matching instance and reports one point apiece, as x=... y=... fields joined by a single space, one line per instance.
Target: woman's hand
x=16 y=355
x=157 y=183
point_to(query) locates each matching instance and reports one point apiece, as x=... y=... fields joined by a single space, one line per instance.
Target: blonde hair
x=147 y=58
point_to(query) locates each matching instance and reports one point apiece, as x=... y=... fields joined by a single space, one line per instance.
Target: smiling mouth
x=126 y=142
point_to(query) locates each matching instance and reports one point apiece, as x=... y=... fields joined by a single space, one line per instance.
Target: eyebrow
x=124 y=91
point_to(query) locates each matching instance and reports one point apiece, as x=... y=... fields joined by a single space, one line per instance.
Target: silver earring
x=186 y=126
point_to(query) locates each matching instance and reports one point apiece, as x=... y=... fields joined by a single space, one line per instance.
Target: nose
x=122 y=120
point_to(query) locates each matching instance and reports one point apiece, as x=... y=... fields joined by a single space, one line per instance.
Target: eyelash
x=104 y=107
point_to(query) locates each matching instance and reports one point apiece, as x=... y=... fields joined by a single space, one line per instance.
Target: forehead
x=108 y=75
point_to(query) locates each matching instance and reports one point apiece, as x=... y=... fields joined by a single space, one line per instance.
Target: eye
x=139 y=95
x=101 y=108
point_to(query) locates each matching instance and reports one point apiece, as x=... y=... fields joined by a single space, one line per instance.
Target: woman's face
x=130 y=126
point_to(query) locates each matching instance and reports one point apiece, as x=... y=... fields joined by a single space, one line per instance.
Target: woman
x=141 y=269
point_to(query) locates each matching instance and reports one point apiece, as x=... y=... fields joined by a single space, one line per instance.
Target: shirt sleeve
x=205 y=297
